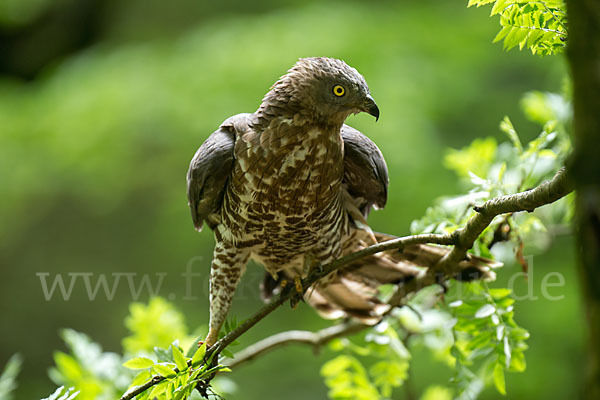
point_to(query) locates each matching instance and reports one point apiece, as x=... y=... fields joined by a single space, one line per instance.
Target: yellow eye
x=339 y=90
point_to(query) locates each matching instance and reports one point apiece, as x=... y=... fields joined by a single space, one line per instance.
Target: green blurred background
x=104 y=102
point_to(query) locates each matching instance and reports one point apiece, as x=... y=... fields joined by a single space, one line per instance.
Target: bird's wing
x=210 y=170
x=365 y=171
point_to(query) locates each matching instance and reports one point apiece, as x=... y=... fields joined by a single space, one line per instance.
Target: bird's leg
x=228 y=265
x=307 y=268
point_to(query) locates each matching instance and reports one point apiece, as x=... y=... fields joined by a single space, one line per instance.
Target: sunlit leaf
x=499 y=381
x=485 y=311
x=138 y=363
x=179 y=358
x=163 y=370
x=198 y=357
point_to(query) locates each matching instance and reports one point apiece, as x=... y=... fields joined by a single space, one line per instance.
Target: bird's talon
x=298 y=283
x=283 y=283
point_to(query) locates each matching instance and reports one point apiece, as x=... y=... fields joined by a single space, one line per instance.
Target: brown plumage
x=291 y=186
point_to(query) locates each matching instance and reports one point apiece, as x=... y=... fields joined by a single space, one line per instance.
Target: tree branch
x=547 y=192
x=314 y=339
x=462 y=239
x=142 y=388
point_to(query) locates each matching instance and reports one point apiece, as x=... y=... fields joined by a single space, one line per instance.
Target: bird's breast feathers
x=280 y=162
x=286 y=187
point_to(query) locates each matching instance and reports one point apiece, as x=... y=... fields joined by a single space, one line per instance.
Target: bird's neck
x=273 y=111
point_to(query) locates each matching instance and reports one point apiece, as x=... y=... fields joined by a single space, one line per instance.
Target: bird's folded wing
x=210 y=170
x=365 y=171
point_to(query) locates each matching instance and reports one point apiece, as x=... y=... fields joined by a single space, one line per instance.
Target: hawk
x=291 y=187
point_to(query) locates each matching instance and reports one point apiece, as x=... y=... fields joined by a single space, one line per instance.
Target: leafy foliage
x=541 y=26
x=348 y=379
x=346 y=376
x=181 y=374
x=474 y=329
x=148 y=331
x=506 y=168
x=485 y=337
x=95 y=375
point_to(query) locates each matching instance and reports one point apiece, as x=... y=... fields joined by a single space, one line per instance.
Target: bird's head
x=325 y=89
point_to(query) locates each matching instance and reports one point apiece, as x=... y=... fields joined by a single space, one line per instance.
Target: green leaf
x=198 y=357
x=138 y=363
x=155 y=324
x=389 y=374
x=485 y=311
x=499 y=381
x=499 y=6
x=499 y=293
x=163 y=371
x=437 y=393
x=480 y=340
x=140 y=378
x=534 y=37
x=159 y=389
x=143 y=396
x=517 y=362
x=507 y=127
x=347 y=379
x=68 y=366
x=518 y=334
x=163 y=355
x=179 y=358
x=509 y=40
x=475 y=158
x=501 y=171
x=227 y=353
x=503 y=32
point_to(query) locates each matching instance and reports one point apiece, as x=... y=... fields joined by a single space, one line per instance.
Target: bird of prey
x=291 y=186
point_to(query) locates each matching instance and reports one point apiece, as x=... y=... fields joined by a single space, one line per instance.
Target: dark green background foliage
x=102 y=106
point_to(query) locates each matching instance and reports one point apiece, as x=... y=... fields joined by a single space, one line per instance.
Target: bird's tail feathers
x=353 y=291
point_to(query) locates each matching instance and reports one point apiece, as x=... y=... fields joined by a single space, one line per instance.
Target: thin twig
x=314 y=339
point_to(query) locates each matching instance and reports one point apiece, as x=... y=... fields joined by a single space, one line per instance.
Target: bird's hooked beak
x=371 y=108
